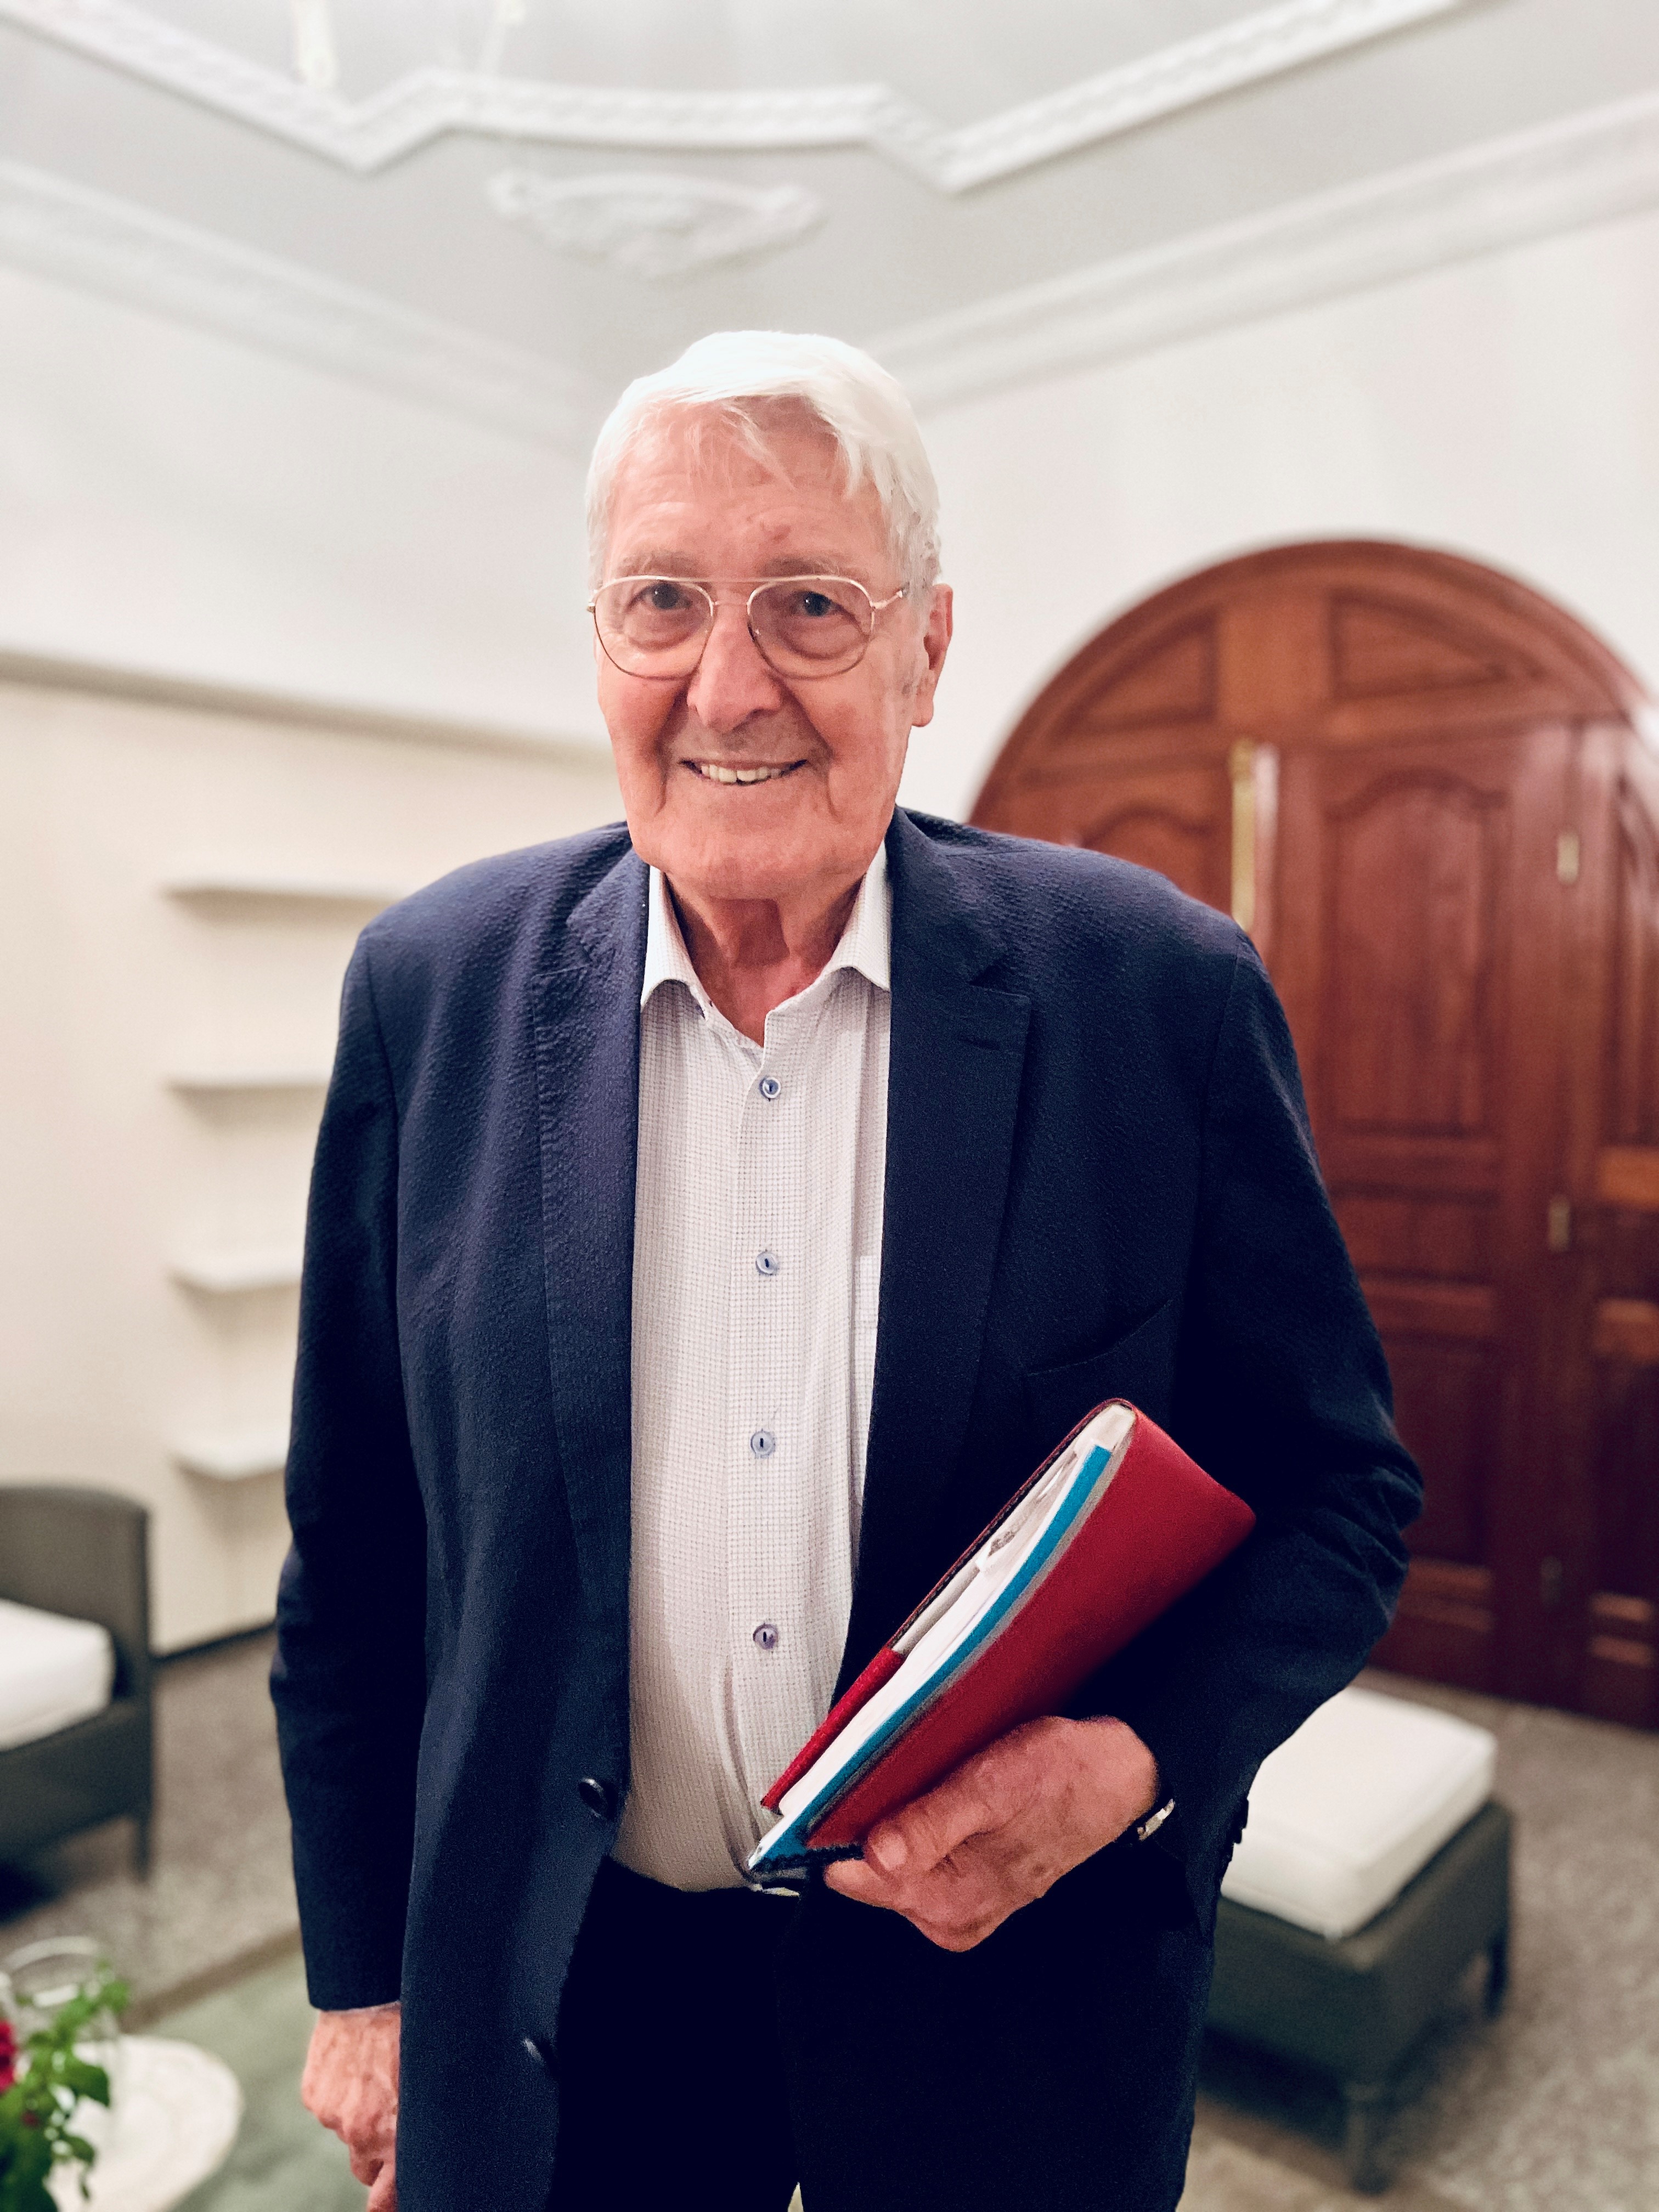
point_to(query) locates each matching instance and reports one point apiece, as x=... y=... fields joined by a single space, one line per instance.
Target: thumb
x=914 y=1840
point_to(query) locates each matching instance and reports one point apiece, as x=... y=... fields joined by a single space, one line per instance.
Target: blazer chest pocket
x=1139 y=1365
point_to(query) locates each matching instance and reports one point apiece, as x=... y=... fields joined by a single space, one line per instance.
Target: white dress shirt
x=758 y=1214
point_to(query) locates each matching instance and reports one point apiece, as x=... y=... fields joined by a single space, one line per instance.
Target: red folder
x=1161 y=1525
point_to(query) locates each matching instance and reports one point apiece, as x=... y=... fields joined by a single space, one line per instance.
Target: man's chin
x=775 y=853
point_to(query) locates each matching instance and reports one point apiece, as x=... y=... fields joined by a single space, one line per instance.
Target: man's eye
x=663 y=598
x=815 y=604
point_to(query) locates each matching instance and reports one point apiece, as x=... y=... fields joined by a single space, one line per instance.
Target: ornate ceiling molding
x=655 y=226
x=1589 y=168
x=66 y=231
x=367 y=134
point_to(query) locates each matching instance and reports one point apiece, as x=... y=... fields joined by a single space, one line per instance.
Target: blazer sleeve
x=350 y=1678
x=1282 y=1392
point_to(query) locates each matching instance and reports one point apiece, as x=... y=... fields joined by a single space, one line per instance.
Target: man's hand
x=1003 y=1828
x=351 y=2084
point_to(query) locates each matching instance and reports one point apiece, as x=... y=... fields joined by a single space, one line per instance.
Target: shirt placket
x=768 y=1288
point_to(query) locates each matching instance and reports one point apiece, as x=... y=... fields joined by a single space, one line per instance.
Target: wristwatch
x=1146 y=1829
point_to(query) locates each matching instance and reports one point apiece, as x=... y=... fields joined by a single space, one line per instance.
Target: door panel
x=1449 y=1394
x=1177 y=821
x=1633 y=1118
x=1415 y=941
x=1612 y=1658
x=1389 y=1234
x=1421 y=965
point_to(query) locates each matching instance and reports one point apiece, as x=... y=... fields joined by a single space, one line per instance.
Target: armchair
x=84 y=1553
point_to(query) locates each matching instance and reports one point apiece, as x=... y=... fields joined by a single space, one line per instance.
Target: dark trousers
x=715 y=2049
x=671 y=2090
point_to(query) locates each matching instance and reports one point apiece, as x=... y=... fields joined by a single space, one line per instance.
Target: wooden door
x=1409 y=778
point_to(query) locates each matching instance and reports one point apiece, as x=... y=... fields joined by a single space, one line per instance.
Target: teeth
x=718 y=775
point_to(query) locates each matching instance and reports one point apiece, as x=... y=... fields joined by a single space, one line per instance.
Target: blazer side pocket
x=1138 y=1365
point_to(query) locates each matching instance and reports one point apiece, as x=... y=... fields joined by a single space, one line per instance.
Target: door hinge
x=1557 y=1225
x=1566 y=857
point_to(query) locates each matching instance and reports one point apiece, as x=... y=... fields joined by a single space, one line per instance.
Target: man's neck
x=752 y=954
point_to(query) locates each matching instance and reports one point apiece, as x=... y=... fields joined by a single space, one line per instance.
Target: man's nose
x=732 y=681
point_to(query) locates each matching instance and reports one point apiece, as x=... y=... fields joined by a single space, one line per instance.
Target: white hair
x=741 y=378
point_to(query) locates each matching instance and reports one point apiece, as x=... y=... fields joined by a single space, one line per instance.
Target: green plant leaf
x=86 y=2078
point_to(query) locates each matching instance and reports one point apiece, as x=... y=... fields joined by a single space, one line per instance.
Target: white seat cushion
x=53 y=1671
x=1360 y=1799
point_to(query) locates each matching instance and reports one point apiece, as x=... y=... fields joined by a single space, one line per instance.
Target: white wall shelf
x=230 y=887
x=218 y=1082
x=235 y=1455
x=224 y=1274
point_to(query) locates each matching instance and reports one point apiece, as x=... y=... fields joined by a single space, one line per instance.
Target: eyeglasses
x=803 y=626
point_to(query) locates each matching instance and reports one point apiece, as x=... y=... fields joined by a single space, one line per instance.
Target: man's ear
x=935 y=643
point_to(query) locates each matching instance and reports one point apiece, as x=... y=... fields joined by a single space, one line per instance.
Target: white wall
x=112 y=986
x=1504 y=408
x=173 y=500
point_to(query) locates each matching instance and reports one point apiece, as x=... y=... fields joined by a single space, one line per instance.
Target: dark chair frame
x=1356 y=2008
x=85 y=1553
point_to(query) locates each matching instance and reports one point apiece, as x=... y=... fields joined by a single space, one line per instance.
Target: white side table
x=176 y=2113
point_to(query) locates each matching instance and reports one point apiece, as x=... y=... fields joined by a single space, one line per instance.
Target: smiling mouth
x=713 y=772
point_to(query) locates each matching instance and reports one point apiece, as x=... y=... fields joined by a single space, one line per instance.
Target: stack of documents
x=1114 y=1527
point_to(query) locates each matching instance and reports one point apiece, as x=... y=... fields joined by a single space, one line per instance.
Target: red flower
x=8 y=2056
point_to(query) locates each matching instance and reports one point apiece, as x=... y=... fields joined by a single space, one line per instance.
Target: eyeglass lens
x=805 y=625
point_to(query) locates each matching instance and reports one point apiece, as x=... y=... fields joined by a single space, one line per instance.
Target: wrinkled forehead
x=694 y=478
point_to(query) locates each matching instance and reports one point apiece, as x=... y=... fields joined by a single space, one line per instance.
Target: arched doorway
x=1424 y=791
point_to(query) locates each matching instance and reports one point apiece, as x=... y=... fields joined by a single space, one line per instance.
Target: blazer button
x=599 y=1797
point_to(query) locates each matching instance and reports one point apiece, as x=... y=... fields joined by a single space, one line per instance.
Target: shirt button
x=762 y=1443
x=766 y=1636
x=767 y=1263
x=768 y=1086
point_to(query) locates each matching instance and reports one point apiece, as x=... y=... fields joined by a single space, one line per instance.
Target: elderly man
x=714 y=1219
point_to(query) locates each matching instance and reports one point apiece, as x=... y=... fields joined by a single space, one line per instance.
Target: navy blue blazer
x=1100 y=1181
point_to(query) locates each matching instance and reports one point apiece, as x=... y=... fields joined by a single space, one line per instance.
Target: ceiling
x=511 y=206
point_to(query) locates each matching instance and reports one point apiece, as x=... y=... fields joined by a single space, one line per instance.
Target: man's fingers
x=383 y=2197
x=930 y=1828
x=905 y=1891
x=864 y=1881
x=955 y=1904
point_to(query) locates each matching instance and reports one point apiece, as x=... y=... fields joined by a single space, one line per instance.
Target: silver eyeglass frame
x=705 y=585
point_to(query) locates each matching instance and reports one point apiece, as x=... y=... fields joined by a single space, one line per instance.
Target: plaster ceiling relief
x=652 y=225
x=407 y=193
x=303 y=104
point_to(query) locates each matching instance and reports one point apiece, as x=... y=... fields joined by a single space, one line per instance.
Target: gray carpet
x=1553 y=2108
x=282 y=2162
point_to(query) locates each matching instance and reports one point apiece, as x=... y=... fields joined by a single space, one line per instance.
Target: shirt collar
x=866 y=943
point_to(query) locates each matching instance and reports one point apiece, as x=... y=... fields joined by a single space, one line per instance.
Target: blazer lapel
x=586 y=1007
x=958 y=1053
